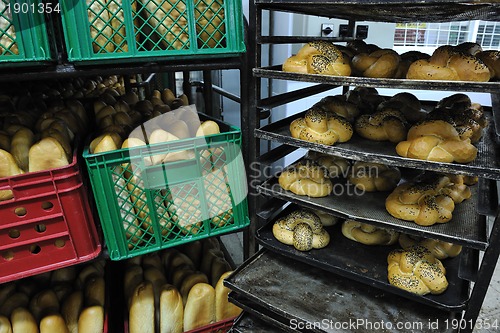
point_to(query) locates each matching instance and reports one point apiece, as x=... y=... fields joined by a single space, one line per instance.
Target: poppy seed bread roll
x=368 y=234
x=306 y=178
x=373 y=177
x=381 y=63
x=440 y=249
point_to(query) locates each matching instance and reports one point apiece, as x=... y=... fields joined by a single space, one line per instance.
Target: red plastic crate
x=48 y=224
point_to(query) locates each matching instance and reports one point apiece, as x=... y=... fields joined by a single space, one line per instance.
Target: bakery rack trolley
x=267 y=202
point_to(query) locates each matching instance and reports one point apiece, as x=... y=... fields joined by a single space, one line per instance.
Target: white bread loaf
x=91 y=320
x=189 y=282
x=171 y=310
x=23 y=321
x=200 y=307
x=223 y=308
x=142 y=309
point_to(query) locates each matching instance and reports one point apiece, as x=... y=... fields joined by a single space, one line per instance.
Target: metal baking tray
x=263 y=315
x=390 y=10
x=366 y=264
x=275 y=72
x=487 y=197
x=486 y=165
x=469 y=264
x=301 y=293
x=248 y=323
x=466 y=228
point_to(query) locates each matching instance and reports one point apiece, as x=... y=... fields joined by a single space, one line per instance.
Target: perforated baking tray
x=366 y=264
x=275 y=72
x=391 y=10
x=465 y=228
x=303 y=294
x=486 y=165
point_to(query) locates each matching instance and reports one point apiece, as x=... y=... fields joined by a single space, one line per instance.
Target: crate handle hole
x=35 y=249
x=47 y=205
x=20 y=211
x=40 y=228
x=14 y=233
x=59 y=243
x=8 y=255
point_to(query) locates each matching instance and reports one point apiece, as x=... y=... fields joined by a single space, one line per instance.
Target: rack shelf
x=293 y=291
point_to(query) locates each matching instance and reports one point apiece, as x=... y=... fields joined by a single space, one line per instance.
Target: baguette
x=47 y=154
x=14 y=301
x=133 y=277
x=223 y=308
x=219 y=267
x=95 y=291
x=23 y=321
x=21 y=143
x=157 y=279
x=44 y=303
x=5 y=326
x=142 y=309
x=91 y=320
x=70 y=310
x=171 y=310
x=200 y=307
x=53 y=323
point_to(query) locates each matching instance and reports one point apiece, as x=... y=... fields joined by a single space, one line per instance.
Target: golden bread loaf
x=449 y=63
x=417 y=271
x=200 y=307
x=334 y=166
x=372 y=177
x=381 y=63
x=368 y=234
x=318 y=57
x=339 y=106
x=171 y=310
x=491 y=58
x=302 y=229
x=306 y=178
x=142 y=309
x=23 y=321
x=384 y=125
x=424 y=203
x=439 y=249
x=53 y=323
x=91 y=320
x=223 y=308
x=322 y=127
x=436 y=140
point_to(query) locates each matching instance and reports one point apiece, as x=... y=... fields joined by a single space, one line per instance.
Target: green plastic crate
x=125 y=30
x=145 y=208
x=23 y=33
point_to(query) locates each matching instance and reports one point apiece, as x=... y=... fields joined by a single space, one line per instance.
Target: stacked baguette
x=68 y=300
x=178 y=290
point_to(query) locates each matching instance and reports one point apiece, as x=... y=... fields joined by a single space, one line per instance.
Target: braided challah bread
x=372 y=177
x=423 y=203
x=334 y=166
x=366 y=99
x=327 y=220
x=386 y=125
x=439 y=249
x=416 y=270
x=408 y=104
x=318 y=57
x=491 y=58
x=407 y=59
x=436 y=140
x=382 y=63
x=338 y=105
x=306 y=178
x=302 y=229
x=319 y=126
x=368 y=234
x=449 y=63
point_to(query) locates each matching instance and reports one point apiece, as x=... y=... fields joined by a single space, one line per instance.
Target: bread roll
x=70 y=310
x=91 y=320
x=439 y=249
x=53 y=323
x=133 y=277
x=333 y=165
x=200 y=307
x=384 y=125
x=368 y=234
x=189 y=281
x=319 y=126
x=180 y=274
x=171 y=310
x=306 y=178
x=302 y=229
x=5 y=326
x=14 y=301
x=381 y=63
x=44 y=303
x=142 y=309
x=219 y=267
x=8 y=167
x=223 y=308
x=95 y=290
x=373 y=177
x=47 y=154
x=20 y=145
x=23 y=321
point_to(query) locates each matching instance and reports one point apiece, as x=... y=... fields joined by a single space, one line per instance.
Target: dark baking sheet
x=264 y=316
x=366 y=264
x=390 y=10
x=248 y=323
x=275 y=72
x=466 y=228
x=469 y=264
x=306 y=294
x=487 y=200
x=486 y=165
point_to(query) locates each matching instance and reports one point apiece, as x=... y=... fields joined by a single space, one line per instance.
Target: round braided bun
x=372 y=177
x=385 y=125
x=306 y=178
x=440 y=249
x=368 y=234
x=318 y=57
x=416 y=270
x=379 y=64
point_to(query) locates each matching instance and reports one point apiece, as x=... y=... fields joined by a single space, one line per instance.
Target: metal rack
x=268 y=201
